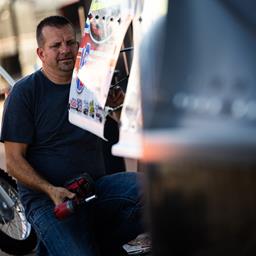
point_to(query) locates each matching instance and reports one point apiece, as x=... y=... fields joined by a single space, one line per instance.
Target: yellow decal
x=101 y=4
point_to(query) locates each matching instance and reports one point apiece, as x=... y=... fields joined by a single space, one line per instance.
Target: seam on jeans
x=119 y=198
x=133 y=210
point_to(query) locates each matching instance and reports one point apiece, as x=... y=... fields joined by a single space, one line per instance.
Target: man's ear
x=40 y=53
x=78 y=44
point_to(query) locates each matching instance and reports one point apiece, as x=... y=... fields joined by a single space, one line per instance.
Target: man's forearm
x=20 y=169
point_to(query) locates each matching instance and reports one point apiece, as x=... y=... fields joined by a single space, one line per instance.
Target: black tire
x=17 y=236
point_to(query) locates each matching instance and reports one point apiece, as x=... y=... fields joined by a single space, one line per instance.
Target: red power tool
x=83 y=187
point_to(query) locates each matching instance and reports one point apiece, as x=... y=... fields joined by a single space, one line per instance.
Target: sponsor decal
x=83 y=60
x=79 y=105
x=85 y=54
x=79 y=86
x=73 y=103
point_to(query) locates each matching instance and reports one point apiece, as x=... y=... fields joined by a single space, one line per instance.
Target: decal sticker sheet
x=104 y=32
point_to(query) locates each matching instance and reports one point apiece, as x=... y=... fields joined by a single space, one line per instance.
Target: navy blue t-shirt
x=36 y=113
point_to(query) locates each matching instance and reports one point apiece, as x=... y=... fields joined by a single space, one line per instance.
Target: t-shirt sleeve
x=17 y=120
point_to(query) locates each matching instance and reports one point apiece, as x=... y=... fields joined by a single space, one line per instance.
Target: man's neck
x=61 y=78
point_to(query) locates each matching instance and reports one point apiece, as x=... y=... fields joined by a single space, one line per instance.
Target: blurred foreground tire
x=16 y=235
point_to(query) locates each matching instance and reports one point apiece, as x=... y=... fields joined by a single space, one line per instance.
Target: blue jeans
x=99 y=228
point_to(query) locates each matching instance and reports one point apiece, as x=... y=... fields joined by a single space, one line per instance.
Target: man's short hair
x=52 y=21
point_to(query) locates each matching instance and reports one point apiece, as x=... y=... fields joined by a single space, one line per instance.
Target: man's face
x=59 y=49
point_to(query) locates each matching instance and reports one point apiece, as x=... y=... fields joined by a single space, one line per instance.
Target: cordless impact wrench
x=83 y=187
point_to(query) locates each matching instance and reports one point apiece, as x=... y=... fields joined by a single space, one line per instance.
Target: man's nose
x=65 y=48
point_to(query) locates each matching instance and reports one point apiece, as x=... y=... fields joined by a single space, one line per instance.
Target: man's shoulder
x=26 y=86
x=29 y=80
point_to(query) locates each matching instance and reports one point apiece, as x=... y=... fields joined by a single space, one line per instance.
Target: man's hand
x=115 y=97
x=59 y=194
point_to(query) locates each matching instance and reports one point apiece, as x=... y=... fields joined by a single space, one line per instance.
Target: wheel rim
x=18 y=228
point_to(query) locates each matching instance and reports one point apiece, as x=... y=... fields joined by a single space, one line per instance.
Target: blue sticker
x=87 y=26
x=79 y=105
x=85 y=54
x=79 y=86
x=84 y=57
x=73 y=103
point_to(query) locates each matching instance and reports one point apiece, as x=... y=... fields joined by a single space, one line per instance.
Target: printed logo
x=79 y=86
x=83 y=60
x=86 y=108
x=79 y=105
x=85 y=54
x=73 y=103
